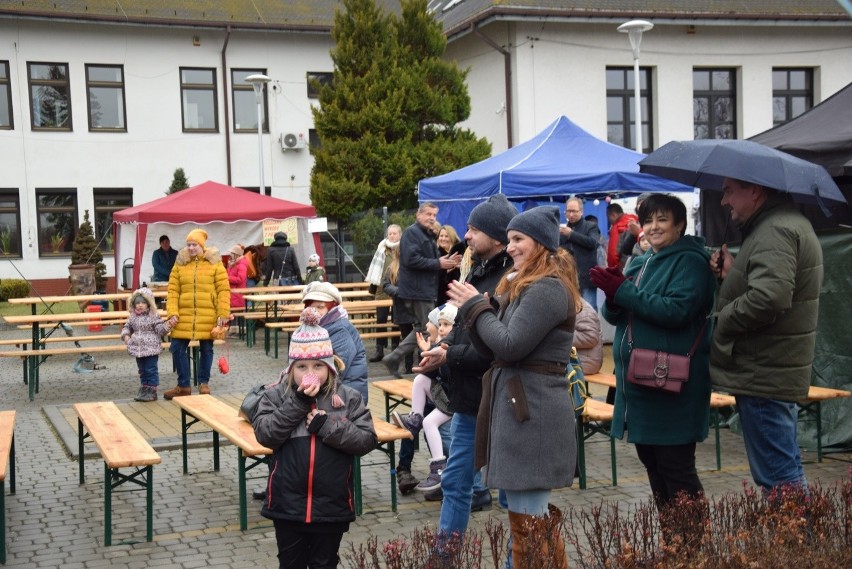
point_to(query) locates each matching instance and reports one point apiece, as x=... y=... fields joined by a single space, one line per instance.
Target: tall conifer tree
x=389 y=117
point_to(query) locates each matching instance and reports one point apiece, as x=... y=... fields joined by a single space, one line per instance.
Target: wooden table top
x=69 y=317
x=7 y=429
x=397 y=387
x=225 y=420
x=125 y=446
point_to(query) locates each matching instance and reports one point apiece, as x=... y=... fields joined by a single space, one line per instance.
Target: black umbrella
x=706 y=163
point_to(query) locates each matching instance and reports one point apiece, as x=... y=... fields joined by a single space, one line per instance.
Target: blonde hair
x=543 y=263
x=392 y=272
x=451 y=233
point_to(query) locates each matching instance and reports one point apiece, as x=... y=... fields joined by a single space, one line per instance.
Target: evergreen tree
x=179 y=182
x=389 y=117
x=85 y=251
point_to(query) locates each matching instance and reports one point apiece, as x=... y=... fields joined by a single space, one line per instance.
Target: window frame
x=240 y=87
x=211 y=87
x=99 y=195
x=324 y=78
x=13 y=195
x=99 y=84
x=6 y=84
x=45 y=249
x=49 y=83
x=712 y=95
x=626 y=94
x=788 y=94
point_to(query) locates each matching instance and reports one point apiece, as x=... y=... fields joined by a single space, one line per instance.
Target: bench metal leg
x=389 y=450
x=81 y=437
x=243 y=467
x=715 y=416
x=814 y=409
x=113 y=478
x=187 y=421
x=582 y=436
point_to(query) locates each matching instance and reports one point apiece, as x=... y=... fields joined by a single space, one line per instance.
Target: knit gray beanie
x=541 y=223
x=492 y=216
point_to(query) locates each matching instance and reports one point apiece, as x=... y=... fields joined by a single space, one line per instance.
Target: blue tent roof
x=560 y=161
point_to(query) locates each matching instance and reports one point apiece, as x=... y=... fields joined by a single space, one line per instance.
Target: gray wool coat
x=540 y=452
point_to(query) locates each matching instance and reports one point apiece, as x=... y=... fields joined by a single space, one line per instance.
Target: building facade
x=99 y=104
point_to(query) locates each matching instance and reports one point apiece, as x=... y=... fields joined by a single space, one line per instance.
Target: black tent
x=822 y=135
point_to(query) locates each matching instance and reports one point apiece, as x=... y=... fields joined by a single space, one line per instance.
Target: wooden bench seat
x=366 y=330
x=223 y=420
x=7 y=457
x=121 y=446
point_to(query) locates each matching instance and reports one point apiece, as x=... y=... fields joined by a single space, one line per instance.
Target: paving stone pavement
x=52 y=521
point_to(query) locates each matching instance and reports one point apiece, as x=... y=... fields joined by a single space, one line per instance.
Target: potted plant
x=87 y=270
x=57 y=241
x=5 y=242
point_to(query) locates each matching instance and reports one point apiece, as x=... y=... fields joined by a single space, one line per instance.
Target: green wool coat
x=767 y=307
x=669 y=307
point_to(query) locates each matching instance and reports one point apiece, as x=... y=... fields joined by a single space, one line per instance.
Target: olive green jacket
x=767 y=307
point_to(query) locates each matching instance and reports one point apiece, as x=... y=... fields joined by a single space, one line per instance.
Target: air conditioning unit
x=291 y=141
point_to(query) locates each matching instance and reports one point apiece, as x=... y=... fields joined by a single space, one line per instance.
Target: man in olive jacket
x=766 y=320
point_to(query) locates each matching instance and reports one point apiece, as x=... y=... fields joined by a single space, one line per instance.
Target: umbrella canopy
x=706 y=163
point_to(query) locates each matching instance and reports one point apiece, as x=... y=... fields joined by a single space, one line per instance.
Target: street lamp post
x=257 y=81
x=634 y=30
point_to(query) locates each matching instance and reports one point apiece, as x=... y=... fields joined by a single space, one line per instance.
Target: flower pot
x=82 y=279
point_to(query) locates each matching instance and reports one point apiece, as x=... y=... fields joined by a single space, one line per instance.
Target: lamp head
x=257 y=80
x=634 y=30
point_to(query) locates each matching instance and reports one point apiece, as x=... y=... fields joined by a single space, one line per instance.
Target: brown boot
x=177 y=392
x=555 y=542
x=203 y=389
x=520 y=526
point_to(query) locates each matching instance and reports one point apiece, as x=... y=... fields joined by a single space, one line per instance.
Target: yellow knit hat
x=197 y=235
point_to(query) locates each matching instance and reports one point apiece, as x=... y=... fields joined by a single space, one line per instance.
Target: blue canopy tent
x=561 y=161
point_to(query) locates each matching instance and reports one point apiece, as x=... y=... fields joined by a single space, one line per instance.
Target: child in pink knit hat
x=310 y=486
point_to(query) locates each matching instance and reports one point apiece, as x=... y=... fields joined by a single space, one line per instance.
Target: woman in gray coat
x=526 y=432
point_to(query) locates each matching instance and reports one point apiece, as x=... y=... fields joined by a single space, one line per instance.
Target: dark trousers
x=306 y=550
x=382 y=314
x=671 y=469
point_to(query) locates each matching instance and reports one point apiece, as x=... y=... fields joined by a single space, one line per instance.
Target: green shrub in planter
x=14 y=288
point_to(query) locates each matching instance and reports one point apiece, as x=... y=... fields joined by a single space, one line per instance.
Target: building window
x=105 y=90
x=10 y=223
x=620 y=121
x=6 y=122
x=714 y=96
x=198 y=100
x=792 y=93
x=50 y=97
x=107 y=201
x=57 y=221
x=245 y=103
x=314 y=142
x=316 y=81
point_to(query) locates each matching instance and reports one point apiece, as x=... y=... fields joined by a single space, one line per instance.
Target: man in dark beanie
x=281 y=261
x=486 y=239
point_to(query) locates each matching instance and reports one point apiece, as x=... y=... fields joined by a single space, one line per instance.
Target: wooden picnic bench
x=7 y=457
x=223 y=420
x=121 y=446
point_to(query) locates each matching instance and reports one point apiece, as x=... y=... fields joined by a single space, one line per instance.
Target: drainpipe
x=507 y=72
x=225 y=105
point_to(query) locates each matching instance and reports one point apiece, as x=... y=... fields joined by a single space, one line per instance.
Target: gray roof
x=456 y=15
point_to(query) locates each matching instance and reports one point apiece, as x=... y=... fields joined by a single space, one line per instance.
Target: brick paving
x=52 y=521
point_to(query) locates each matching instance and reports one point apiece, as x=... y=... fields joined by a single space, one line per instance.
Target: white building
x=101 y=101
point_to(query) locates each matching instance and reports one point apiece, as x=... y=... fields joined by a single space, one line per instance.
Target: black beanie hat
x=492 y=216
x=541 y=223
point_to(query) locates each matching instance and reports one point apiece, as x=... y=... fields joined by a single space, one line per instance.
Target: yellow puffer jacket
x=199 y=293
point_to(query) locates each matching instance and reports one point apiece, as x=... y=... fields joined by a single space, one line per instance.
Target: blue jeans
x=180 y=357
x=770 y=437
x=149 y=374
x=590 y=295
x=457 y=478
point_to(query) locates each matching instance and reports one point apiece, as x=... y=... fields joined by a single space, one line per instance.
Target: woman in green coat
x=665 y=297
